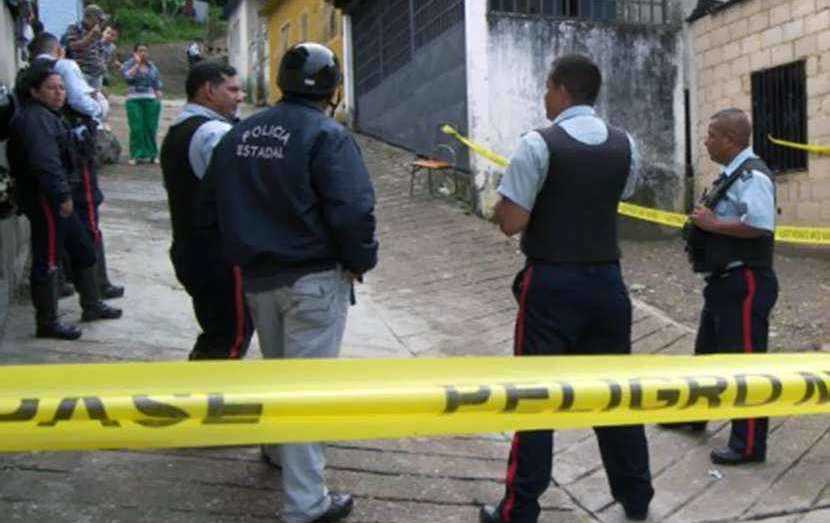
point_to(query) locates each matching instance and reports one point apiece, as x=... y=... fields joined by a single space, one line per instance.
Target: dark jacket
x=290 y=192
x=40 y=156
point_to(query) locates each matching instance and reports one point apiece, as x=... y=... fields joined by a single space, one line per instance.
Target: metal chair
x=443 y=160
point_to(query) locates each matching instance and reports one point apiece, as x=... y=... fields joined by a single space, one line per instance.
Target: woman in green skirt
x=143 y=105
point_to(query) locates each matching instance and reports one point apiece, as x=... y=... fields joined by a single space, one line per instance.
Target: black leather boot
x=106 y=289
x=45 y=300
x=94 y=309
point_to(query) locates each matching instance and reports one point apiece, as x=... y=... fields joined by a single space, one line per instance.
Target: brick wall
x=755 y=35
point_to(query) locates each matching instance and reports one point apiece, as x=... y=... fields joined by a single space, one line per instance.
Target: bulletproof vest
x=574 y=218
x=179 y=179
x=713 y=253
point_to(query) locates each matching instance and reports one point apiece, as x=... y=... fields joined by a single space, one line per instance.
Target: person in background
x=143 y=105
x=194 y=52
x=109 y=58
x=82 y=43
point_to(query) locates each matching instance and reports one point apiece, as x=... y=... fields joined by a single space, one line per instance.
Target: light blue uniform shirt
x=528 y=167
x=206 y=136
x=751 y=199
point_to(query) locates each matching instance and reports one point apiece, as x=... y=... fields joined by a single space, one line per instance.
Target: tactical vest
x=712 y=253
x=181 y=182
x=574 y=218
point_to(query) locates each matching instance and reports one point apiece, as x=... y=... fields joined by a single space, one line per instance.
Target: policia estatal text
x=295 y=205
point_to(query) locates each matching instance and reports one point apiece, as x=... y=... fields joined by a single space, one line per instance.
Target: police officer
x=296 y=208
x=731 y=244
x=40 y=154
x=215 y=286
x=561 y=191
x=83 y=112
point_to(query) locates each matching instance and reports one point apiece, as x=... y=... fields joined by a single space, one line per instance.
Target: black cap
x=309 y=70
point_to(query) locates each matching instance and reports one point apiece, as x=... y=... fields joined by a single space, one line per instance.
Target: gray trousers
x=305 y=320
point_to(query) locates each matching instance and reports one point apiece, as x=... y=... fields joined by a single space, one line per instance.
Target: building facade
x=771 y=59
x=293 y=21
x=247 y=43
x=14 y=230
x=482 y=66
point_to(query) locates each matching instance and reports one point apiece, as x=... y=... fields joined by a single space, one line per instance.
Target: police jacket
x=40 y=156
x=290 y=193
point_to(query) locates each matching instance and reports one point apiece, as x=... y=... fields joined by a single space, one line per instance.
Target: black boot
x=94 y=308
x=45 y=300
x=106 y=289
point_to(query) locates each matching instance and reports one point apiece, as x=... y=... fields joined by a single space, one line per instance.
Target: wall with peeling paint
x=509 y=57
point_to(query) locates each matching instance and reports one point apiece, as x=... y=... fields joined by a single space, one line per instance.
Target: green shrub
x=144 y=25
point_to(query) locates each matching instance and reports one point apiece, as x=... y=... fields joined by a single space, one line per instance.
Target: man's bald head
x=734 y=124
x=729 y=134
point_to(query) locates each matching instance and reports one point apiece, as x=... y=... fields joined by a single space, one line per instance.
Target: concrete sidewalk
x=441 y=289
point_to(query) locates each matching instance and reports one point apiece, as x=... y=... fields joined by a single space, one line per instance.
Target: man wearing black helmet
x=291 y=195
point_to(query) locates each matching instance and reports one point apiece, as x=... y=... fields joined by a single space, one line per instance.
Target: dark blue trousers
x=218 y=302
x=572 y=309
x=50 y=234
x=735 y=319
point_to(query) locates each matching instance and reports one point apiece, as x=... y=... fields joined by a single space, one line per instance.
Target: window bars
x=387 y=34
x=779 y=109
x=648 y=12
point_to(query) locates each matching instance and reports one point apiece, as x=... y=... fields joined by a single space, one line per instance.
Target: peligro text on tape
x=787 y=234
x=169 y=405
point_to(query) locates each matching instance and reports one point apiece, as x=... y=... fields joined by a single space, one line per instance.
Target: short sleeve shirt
x=529 y=164
x=751 y=199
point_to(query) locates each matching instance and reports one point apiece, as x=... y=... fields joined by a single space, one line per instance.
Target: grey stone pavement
x=441 y=289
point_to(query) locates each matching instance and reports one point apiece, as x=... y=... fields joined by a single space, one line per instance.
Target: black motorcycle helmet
x=309 y=70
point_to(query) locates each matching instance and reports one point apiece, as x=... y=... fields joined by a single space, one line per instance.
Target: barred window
x=622 y=11
x=779 y=109
x=387 y=35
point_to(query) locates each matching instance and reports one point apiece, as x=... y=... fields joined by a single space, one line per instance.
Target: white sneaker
x=131 y=161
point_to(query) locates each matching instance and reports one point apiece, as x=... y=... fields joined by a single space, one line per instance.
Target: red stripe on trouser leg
x=746 y=327
x=513 y=464
x=519 y=336
x=92 y=224
x=51 y=248
x=513 y=461
x=239 y=313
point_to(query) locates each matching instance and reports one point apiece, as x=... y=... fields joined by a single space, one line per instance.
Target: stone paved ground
x=441 y=289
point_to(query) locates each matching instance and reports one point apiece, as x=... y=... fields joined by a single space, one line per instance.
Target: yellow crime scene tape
x=177 y=404
x=814 y=149
x=786 y=234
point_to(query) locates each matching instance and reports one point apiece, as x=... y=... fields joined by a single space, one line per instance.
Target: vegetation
x=160 y=21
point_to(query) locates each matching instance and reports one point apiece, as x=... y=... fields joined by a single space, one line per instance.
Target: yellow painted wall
x=286 y=21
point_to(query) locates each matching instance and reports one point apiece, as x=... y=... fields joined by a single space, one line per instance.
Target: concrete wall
x=754 y=35
x=56 y=15
x=509 y=57
x=243 y=34
x=14 y=232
